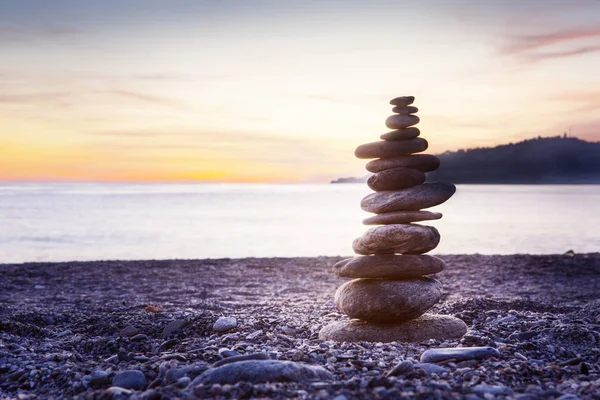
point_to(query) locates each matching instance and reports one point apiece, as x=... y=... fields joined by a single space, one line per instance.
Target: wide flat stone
x=260 y=371
x=405 y=110
x=401 y=217
x=427 y=326
x=422 y=162
x=386 y=149
x=389 y=266
x=410 y=199
x=397 y=238
x=402 y=101
x=401 y=134
x=396 y=178
x=458 y=354
x=401 y=121
x=387 y=301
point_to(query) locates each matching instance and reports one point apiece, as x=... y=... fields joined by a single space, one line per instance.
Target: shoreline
x=65 y=323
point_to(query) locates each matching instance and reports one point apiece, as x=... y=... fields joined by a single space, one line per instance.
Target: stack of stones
x=391 y=291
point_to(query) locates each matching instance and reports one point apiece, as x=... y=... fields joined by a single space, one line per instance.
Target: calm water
x=65 y=222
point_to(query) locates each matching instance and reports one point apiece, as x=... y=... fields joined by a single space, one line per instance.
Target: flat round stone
x=405 y=110
x=401 y=217
x=422 y=162
x=387 y=149
x=396 y=178
x=427 y=326
x=414 y=198
x=397 y=238
x=385 y=301
x=402 y=134
x=401 y=121
x=402 y=101
x=388 y=266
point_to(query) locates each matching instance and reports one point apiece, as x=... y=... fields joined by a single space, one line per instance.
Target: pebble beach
x=148 y=330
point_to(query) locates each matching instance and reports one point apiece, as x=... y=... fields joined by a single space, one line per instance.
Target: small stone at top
x=402 y=101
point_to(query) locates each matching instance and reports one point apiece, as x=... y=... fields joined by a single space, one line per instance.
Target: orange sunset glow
x=269 y=91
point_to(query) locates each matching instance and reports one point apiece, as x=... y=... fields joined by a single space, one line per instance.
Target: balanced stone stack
x=391 y=291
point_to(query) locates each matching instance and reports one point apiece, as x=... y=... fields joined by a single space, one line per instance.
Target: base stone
x=427 y=326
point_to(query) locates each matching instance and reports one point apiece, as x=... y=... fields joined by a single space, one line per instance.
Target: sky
x=280 y=91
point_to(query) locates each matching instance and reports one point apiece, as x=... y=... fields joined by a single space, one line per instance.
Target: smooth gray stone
x=262 y=371
x=401 y=134
x=243 y=357
x=401 y=121
x=115 y=391
x=405 y=110
x=397 y=238
x=422 y=162
x=173 y=326
x=390 y=149
x=388 y=266
x=130 y=379
x=414 y=198
x=224 y=324
x=401 y=368
x=100 y=378
x=395 y=179
x=484 y=388
x=427 y=326
x=431 y=368
x=402 y=101
x=458 y=354
x=129 y=331
x=401 y=217
x=387 y=301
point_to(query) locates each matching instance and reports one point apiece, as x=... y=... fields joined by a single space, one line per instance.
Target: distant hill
x=551 y=160
x=557 y=160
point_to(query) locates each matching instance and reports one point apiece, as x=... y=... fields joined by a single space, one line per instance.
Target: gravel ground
x=62 y=329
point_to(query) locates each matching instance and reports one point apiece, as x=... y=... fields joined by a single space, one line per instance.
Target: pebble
x=405 y=110
x=139 y=337
x=422 y=162
x=130 y=379
x=430 y=368
x=494 y=390
x=255 y=371
x=99 y=378
x=458 y=354
x=245 y=357
x=523 y=335
x=401 y=134
x=128 y=331
x=389 y=266
x=115 y=392
x=387 y=301
x=173 y=327
x=401 y=217
x=388 y=149
x=64 y=333
x=414 y=198
x=401 y=368
x=397 y=238
x=427 y=326
x=520 y=356
x=396 y=178
x=224 y=324
x=228 y=353
x=402 y=101
x=401 y=121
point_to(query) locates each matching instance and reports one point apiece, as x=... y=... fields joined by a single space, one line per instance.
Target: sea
x=99 y=221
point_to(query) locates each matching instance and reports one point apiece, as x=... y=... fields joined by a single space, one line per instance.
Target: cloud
x=26 y=33
x=146 y=98
x=29 y=98
x=533 y=48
